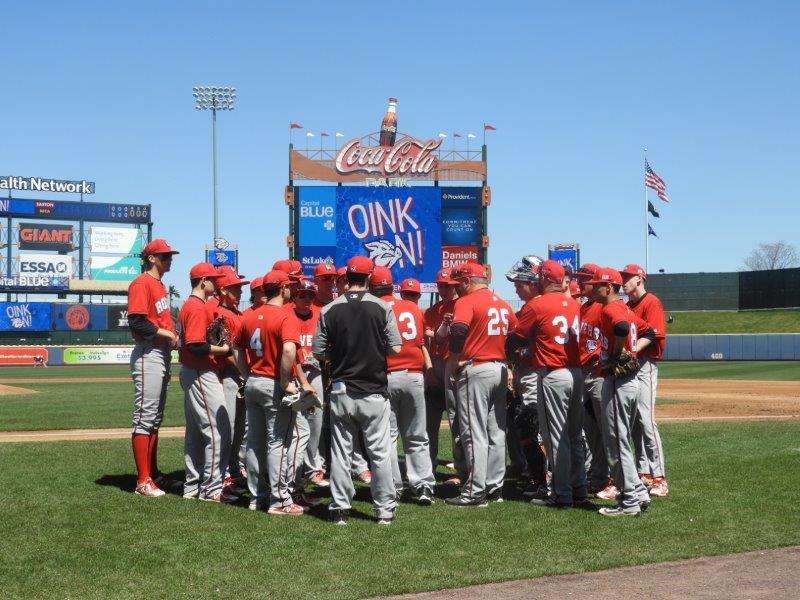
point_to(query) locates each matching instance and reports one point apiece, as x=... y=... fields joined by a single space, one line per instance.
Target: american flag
x=655 y=182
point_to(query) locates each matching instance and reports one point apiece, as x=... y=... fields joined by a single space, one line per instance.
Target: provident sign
x=408 y=157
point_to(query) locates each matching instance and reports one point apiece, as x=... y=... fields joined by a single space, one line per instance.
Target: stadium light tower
x=214 y=98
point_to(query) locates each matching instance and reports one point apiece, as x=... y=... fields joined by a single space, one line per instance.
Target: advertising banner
x=114 y=268
x=34 y=283
x=57 y=265
x=67 y=209
x=564 y=254
x=115 y=240
x=43 y=236
x=21 y=355
x=24 y=316
x=398 y=228
x=117 y=317
x=222 y=257
x=101 y=356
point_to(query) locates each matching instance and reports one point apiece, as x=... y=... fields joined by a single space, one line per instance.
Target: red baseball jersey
x=263 y=333
x=147 y=296
x=194 y=318
x=649 y=309
x=552 y=324
x=233 y=319
x=410 y=324
x=488 y=319
x=307 y=326
x=613 y=313
x=433 y=319
x=590 y=332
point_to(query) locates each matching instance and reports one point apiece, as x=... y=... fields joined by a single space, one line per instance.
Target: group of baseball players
x=320 y=378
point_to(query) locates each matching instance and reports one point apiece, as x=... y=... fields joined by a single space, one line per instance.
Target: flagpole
x=646 y=220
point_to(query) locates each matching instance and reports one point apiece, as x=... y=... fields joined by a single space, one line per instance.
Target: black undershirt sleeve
x=458 y=335
x=649 y=334
x=622 y=329
x=139 y=325
x=199 y=348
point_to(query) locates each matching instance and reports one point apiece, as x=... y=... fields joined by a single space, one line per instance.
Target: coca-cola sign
x=407 y=157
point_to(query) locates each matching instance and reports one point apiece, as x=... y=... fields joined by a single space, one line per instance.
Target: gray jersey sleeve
x=319 y=346
x=390 y=331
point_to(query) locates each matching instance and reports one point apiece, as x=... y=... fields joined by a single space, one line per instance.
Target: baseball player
x=481 y=322
x=550 y=324
x=406 y=386
x=410 y=290
x=355 y=333
x=599 y=482
x=646 y=437
x=207 y=439
x=620 y=330
x=151 y=324
x=439 y=384
x=269 y=338
x=525 y=277
x=229 y=294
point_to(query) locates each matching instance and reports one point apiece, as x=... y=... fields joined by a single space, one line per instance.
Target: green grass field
x=101 y=405
x=76 y=530
x=767 y=321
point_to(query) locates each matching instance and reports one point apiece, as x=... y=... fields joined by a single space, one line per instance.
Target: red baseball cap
x=444 y=277
x=467 y=270
x=381 y=276
x=325 y=269
x=632 y=269
x=307 y=285
x=341 y=272
x=410 y=285
x=292 y=268
x=204 y=269
x=574 y=289
x=587 y=271
x=230 y=279
x=158 y=246
x=361 y=265
x=256 y=283
x=552 y=271
x=606 y=275
x=275 y=279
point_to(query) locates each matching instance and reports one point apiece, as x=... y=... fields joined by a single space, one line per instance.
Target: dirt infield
x=10 y=390
x=728 y=398
x=768 y=574
x=65 y=380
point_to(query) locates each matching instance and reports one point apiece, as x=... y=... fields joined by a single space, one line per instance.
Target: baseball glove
x=624 y=366
x=217 y=332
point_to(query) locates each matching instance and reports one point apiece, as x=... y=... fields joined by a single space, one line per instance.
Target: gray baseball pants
x=207 y=440
x=619 y=406
x=150 y=369
x=301 y=431
x=313 y=460
x=481 y=413
x=646 y=437
x=236 y=412
x=441 y=396
x=593 y=426
x=560 y=424
x=526 y=384
x=407 y=421
x=269 y=437
x=370 y=414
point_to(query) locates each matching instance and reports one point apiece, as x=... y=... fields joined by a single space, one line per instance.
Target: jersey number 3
x=407 y=319
x=498 y=321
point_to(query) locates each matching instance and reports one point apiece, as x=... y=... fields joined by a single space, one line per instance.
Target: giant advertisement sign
x=411 y=230
x=115 y=240
x=24 y=316
x=114 y=268
x=43 y=236
x=45 y=264
x=65 y=209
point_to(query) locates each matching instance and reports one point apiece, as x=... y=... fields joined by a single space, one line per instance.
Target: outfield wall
x=756 y=346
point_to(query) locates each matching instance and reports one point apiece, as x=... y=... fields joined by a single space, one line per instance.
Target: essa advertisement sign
x=114 y=268
x=56 y=265
x=115 y=240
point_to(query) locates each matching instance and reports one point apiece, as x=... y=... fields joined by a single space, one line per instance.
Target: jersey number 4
x=498 y=321
x=566 y=331
x=255 y=343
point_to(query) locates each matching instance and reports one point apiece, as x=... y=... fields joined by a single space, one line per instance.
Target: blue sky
x=102 y=91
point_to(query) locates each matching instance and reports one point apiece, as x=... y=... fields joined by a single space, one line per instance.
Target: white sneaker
x=618 y=511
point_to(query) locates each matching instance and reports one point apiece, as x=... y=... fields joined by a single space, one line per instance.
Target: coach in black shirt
x=355 y=333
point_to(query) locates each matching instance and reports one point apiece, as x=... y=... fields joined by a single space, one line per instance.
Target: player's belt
x=417 y=371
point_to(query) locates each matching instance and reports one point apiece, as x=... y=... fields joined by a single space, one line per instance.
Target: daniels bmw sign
x=44 y=184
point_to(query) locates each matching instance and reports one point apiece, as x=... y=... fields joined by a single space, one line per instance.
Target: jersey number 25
x=498 y=321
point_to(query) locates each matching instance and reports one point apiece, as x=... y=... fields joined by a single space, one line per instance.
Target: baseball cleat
x=365 y=476
x=426 y=497
x=454 y=481
x=149 y=489
x=609 y=493
x=190 y=495
x=550 y=502
x=165 y=482
x=221 y=497
x=386 y=520
x=467 y=501
x=618 y=511
x=257 y=504
x=495 y=495
x=233 y=487
x=290 y=510
x=535 y=490
x=305 y=502
x=318 y=479
x=647 y=479
x=339 y=517
x=660 y=487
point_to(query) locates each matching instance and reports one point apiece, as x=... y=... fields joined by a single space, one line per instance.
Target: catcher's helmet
x=525 y=269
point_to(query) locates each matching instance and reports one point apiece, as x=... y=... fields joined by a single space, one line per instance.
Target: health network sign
x=411 y=230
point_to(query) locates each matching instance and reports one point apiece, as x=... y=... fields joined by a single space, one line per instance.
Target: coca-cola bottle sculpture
x=389 y=124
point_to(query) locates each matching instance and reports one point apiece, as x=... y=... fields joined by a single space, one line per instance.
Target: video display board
x=414 y=231
x=68 y=209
